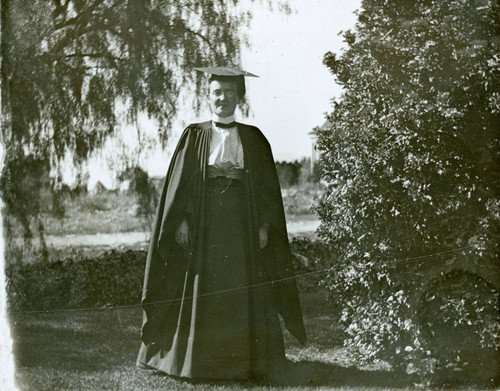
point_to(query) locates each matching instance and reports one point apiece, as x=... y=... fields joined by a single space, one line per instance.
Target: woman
x=219 y=265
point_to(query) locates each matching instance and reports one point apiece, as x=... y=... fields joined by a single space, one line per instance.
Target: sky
x=294 y=90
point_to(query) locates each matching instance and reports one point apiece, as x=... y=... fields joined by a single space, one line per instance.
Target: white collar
x=224 y=120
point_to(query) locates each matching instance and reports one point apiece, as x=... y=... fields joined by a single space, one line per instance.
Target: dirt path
x=140 y=239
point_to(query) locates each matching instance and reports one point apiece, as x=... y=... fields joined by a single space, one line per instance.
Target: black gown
x=212 y=312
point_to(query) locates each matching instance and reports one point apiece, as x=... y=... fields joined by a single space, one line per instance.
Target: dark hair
x=238 y=80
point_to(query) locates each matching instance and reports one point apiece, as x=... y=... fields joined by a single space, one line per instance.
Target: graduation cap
x=225 y=74
x=225 y=71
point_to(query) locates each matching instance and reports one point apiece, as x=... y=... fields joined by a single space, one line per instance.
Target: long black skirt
x=227 y=327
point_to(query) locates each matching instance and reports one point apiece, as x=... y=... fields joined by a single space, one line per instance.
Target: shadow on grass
x=90 y=343
x=76 y=346
x=311 y=374
x=317 y=374
x=82 y=341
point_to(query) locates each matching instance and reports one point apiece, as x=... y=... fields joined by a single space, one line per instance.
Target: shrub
x=288 y=173
x=412 y=167
x=113 y=278
x=143 y=187
x=81 y=280
x=311 y=257
x=99 y=202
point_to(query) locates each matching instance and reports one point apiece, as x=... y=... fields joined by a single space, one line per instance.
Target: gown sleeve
x=276 y=256
x=165 y=264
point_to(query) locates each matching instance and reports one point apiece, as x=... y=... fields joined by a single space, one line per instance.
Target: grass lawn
x=97 y=351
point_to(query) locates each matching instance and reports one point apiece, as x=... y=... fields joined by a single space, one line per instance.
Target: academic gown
x=172 y=291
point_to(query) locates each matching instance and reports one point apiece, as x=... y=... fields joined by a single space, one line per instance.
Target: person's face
x=223 y=97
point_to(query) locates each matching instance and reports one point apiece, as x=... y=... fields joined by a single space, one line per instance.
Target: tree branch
x=73 y=21
x=203 y=38
x=95 y=55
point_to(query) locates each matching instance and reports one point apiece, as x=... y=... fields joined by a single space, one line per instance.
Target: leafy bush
x=147 y=196
x=469 y=341
x=311 y=257
x=288 y=173
x=113 y=278
x=102 y=201
x=21 y=177
x=78 y=279
x=143 y=187
x=411 y=159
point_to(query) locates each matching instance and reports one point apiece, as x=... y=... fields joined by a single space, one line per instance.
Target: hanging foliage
x=68 y=67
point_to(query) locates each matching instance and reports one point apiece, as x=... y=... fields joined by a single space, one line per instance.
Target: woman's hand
x=182 y=235
x=263 y=235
